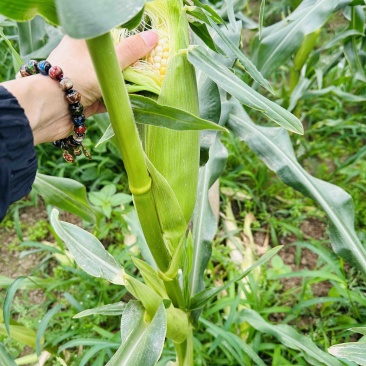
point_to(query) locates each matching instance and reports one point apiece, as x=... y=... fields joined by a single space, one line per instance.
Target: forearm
x=18 y=163
x=44 y=105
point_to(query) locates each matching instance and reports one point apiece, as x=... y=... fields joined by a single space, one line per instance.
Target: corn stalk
x=157 y=182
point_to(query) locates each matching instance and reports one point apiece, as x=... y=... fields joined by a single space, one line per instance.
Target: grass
x=323 y=300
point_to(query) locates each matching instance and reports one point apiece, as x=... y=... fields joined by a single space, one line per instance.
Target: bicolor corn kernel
x=150 y=72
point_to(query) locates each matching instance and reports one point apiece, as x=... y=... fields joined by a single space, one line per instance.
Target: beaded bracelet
x=71 y=144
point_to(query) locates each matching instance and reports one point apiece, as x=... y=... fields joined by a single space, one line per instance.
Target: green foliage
x=287 y=313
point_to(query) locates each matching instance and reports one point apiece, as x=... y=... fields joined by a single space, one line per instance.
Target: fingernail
x=150 y=38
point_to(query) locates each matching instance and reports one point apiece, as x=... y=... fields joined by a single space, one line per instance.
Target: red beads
x=56 y=73
x=68 y=157
x=79 y=130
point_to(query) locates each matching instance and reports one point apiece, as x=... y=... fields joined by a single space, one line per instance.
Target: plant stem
x=185 y=350
x=116 y=100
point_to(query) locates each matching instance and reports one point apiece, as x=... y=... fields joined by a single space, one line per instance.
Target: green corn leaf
x=150 y=277
x=291 y=339
x=210 y=11
x=17 y=60
x=142 y=342
x=32 y=35
x=237 y=88
x=149 y=112
x=261 y=18
x=249 y=67
x=200 y=299
x=274 y=147
x=339 y=38
x=204 y=221
x=29 y=283
x=99 y=350
x=135 y=21
x=87 y=342
x=281 y=40
x=23 y=10
x=5 y=358
x=200 y=29
x=351 y=48
x=10 y=293
x=43 y=326
x=66 y=194
x=109 y=310
x=361 y=330
x=148 y=297
x=102 y=16
x=352 y=351
x=88 y=251
x=347 y=97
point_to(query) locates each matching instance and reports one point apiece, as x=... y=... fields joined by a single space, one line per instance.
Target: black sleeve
x=18 y=162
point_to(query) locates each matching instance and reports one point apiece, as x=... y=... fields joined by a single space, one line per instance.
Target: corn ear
x=176 y=154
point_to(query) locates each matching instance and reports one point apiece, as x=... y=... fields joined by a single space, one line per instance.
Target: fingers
x=133 y=48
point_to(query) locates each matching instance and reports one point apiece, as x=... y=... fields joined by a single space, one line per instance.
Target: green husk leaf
x=171 y=217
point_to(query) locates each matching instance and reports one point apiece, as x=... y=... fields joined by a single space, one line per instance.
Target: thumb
x=135 y=47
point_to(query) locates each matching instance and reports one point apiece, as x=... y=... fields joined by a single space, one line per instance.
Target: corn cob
x=167 y=73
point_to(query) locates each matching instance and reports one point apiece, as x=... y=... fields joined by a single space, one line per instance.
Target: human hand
x=73 y=57
x=44 y=102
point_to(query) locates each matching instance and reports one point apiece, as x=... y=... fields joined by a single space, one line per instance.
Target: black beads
x=76 y=109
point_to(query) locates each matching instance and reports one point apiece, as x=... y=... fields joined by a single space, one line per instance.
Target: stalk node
x=141 y=190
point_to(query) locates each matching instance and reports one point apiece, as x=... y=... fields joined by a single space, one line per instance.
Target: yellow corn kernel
x=159 y=57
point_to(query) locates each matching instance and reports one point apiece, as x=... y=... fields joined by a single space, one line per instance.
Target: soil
x=13 y=264
x=311 y=228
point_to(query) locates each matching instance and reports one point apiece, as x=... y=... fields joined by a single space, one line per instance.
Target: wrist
x=44 y=105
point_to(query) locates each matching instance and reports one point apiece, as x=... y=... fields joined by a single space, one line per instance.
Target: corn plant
x=167 y=122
